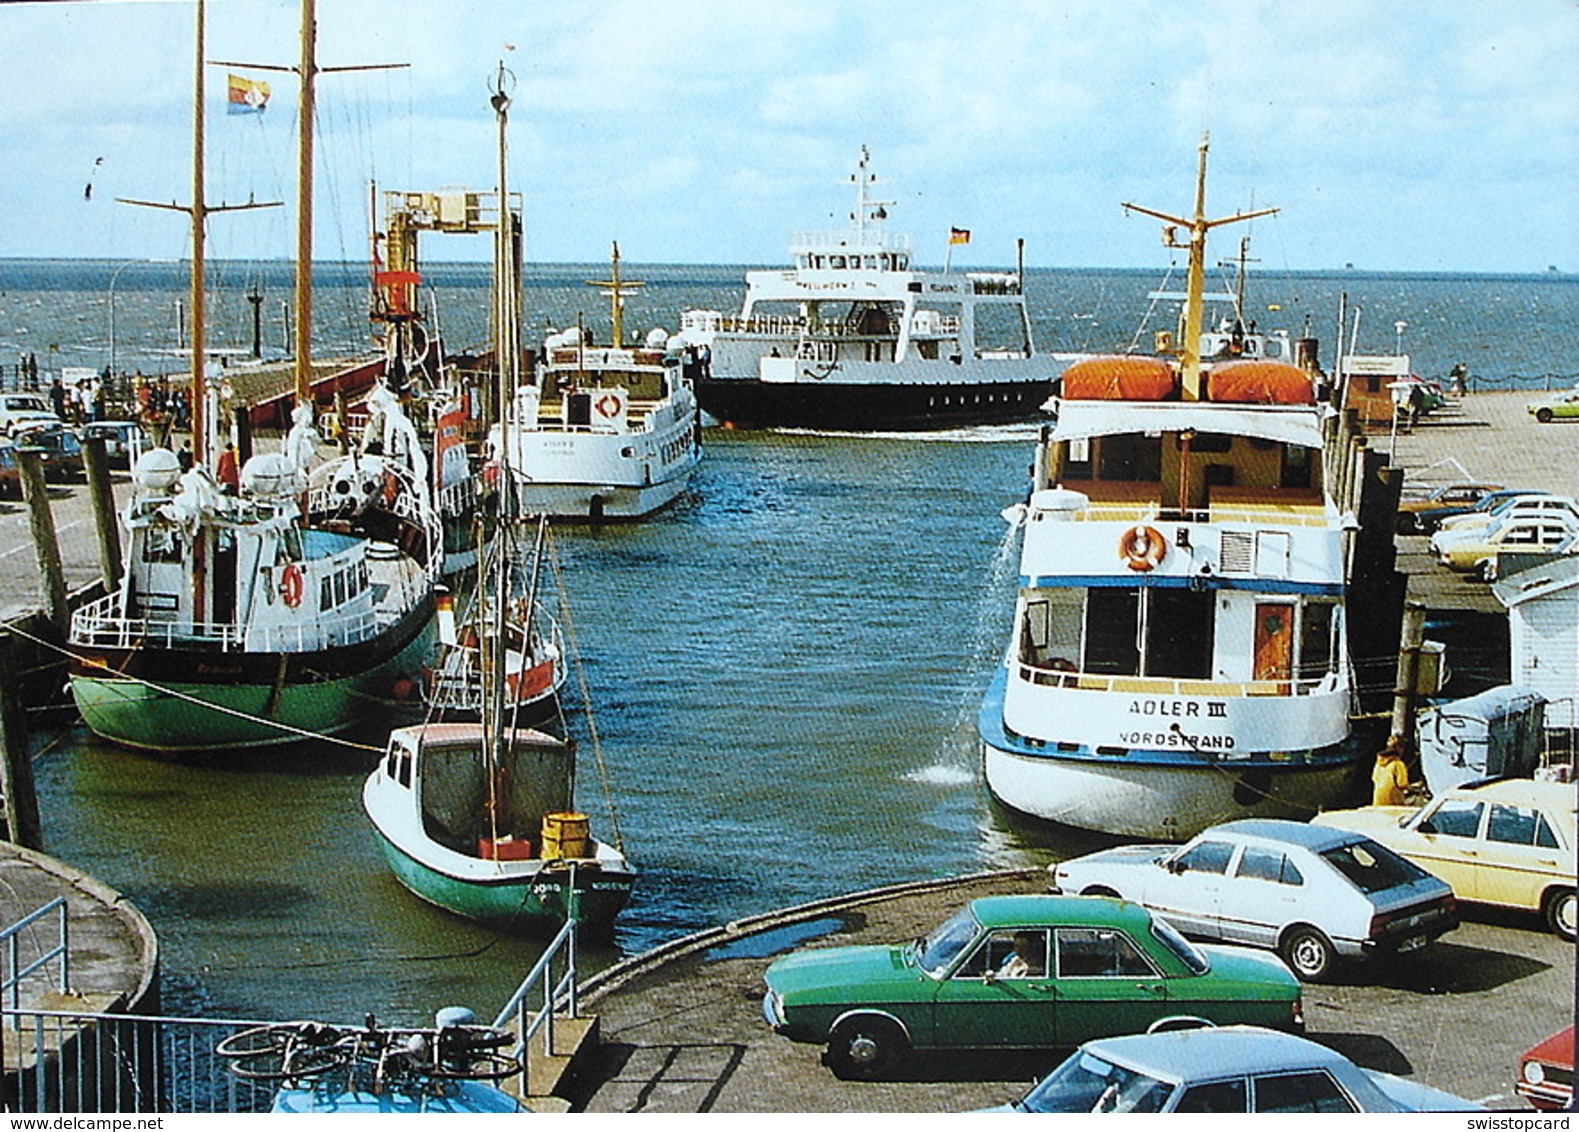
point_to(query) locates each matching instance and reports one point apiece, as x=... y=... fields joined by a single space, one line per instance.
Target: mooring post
x=1406 y=693
x=35 y=493
x=22 y=824
x=102 y=496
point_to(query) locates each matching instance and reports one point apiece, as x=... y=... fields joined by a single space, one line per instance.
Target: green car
x=1033 y=972
x=1561 y=404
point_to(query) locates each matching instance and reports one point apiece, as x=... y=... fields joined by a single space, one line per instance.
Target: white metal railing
x=553 y=994
x=16 y=971
x=1172 y=686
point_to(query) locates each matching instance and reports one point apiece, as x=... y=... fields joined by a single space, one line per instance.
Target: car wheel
x=1543 y=415
x=1486 y=570
x=865 y=1047
x=1405 y=524
x=1561 y=910
x=1100 y=890
x=1308 y=953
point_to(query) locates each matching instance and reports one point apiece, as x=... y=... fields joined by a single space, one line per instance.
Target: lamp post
x=114 y=277
x=1398 y=343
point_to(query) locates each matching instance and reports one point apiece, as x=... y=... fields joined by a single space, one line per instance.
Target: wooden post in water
x=35 y=493
x=1406 y=690
x=102 y=497
x=22 y=824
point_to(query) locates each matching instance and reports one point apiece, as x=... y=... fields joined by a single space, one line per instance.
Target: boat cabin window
x=1298 y=466
x=1131 y=631
x=836 y=261
x=161 y=544
x=1315 y=640
x=1130 y=457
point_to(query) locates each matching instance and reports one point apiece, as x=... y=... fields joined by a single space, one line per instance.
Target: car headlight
x=773 y=1008
x=1534 y=1073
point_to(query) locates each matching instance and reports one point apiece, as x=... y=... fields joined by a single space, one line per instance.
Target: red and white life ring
x=609 y=406
x=1142 y=547
x=292 y=585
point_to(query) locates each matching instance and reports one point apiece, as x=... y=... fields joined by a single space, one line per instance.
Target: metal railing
x=1060 y=677
x=16 y=972
x=99 y=623
x=66 y=1061
x=553 y=995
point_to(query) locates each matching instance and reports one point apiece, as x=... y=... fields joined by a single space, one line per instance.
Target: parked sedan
x=1509 y=842
x=1517 y=534
x=1460 y=527
x=1563 y=405
x=61 y=449
x=124 y=441
x=1030 y=972
x=1546 y=1072
x=1224 y=1069
x=10 y=474
x=1428 y=519
x=1446 y=496
x=1311 y=894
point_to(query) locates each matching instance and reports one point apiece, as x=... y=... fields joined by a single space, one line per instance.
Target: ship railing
x=100 y=625
x=1057 y=674
x=834 y=238
x=94 y=1061
x=784 y=326
x=994 y=282
x=557 y=998
x=458 y=498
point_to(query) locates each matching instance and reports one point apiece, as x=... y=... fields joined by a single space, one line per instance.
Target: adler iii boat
x=237 y=623
x=1179 y=649
x=853 y=336
x=605 y=432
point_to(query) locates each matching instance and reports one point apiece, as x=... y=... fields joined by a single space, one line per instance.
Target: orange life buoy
x=292 y=585
x=609 y=405
x=1142 y=547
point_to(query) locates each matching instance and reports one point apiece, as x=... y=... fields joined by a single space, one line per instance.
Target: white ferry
x=606 y=432
x=1178 y=656
x=854 y=337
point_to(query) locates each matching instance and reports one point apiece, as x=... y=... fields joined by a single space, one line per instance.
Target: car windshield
x=1088 y=1083
x=1372 y=867
x=935 y=952
x=1190 y=955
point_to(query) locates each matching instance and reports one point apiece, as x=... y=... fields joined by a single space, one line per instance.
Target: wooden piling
x=46 y=546
x=1406 y=691
x=102 y=498
x=22 y=824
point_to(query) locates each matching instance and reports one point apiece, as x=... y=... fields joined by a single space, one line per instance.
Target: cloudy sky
x=1393 y=134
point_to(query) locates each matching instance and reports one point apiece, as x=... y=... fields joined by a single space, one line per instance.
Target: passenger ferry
x=1179 y=655
x=606 y=432
x=854 y=337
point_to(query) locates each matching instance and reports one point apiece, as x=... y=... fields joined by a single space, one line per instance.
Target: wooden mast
x=1198 y=225
x=616 y=289
x=308 y=71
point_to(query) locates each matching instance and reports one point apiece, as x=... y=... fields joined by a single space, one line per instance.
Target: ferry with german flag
x=854 y=337
x=1179 y=652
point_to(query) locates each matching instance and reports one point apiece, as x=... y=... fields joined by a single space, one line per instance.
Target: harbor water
x=783 y=668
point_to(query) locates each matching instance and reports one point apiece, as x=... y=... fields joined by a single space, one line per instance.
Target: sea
x=781 y=670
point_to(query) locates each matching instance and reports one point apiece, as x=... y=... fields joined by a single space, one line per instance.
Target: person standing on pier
x=1390 y=777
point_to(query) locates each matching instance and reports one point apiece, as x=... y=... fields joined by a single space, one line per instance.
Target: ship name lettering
x=1174 y=708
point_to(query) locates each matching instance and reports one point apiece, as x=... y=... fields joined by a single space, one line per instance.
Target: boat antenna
x=615 y=288
x=1198 y=225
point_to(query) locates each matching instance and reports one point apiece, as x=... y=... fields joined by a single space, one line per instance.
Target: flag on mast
x=959 y=235
x=247 y=96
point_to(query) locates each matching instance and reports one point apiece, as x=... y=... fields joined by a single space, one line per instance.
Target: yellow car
x=1507 y=841
x=1475 y=552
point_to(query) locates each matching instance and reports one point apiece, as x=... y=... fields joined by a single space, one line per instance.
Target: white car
x=1473 y=524
x=22 y=411
x=1293 y=888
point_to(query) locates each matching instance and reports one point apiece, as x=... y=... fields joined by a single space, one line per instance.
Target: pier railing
x=19 y=968
x=83 y=1061
x=553 y=995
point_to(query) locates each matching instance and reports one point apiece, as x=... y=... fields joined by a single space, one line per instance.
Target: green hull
x=522 y=903
x=186 y=716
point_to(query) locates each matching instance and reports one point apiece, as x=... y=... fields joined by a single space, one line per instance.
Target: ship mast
x=1198 y=225
x=615 y=289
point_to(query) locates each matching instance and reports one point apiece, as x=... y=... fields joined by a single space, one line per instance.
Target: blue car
x=1224 y=1069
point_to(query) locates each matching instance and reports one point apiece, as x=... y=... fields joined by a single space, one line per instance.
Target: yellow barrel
x=565 y=836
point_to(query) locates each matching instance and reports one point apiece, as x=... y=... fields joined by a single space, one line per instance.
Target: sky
x=1393 y=135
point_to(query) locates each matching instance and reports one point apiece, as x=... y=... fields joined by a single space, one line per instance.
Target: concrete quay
x=682 y=1027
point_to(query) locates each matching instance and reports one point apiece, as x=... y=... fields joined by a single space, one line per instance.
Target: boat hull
x=514 y=899
x=188 y=701
x=1157 y=795
x=878 y=405
x=596 y=502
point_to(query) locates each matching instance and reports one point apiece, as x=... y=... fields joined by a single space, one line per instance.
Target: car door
x=1449 y=844
x=1191 y=893
x=1519 y=857
x=1262 y=894
x=1106 y=985
x=991 y=1000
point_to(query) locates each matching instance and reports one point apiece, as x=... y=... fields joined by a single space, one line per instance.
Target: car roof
x=1316 y=838
x=1014 y=911
x=1210 y=1051
x=1523 y=791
